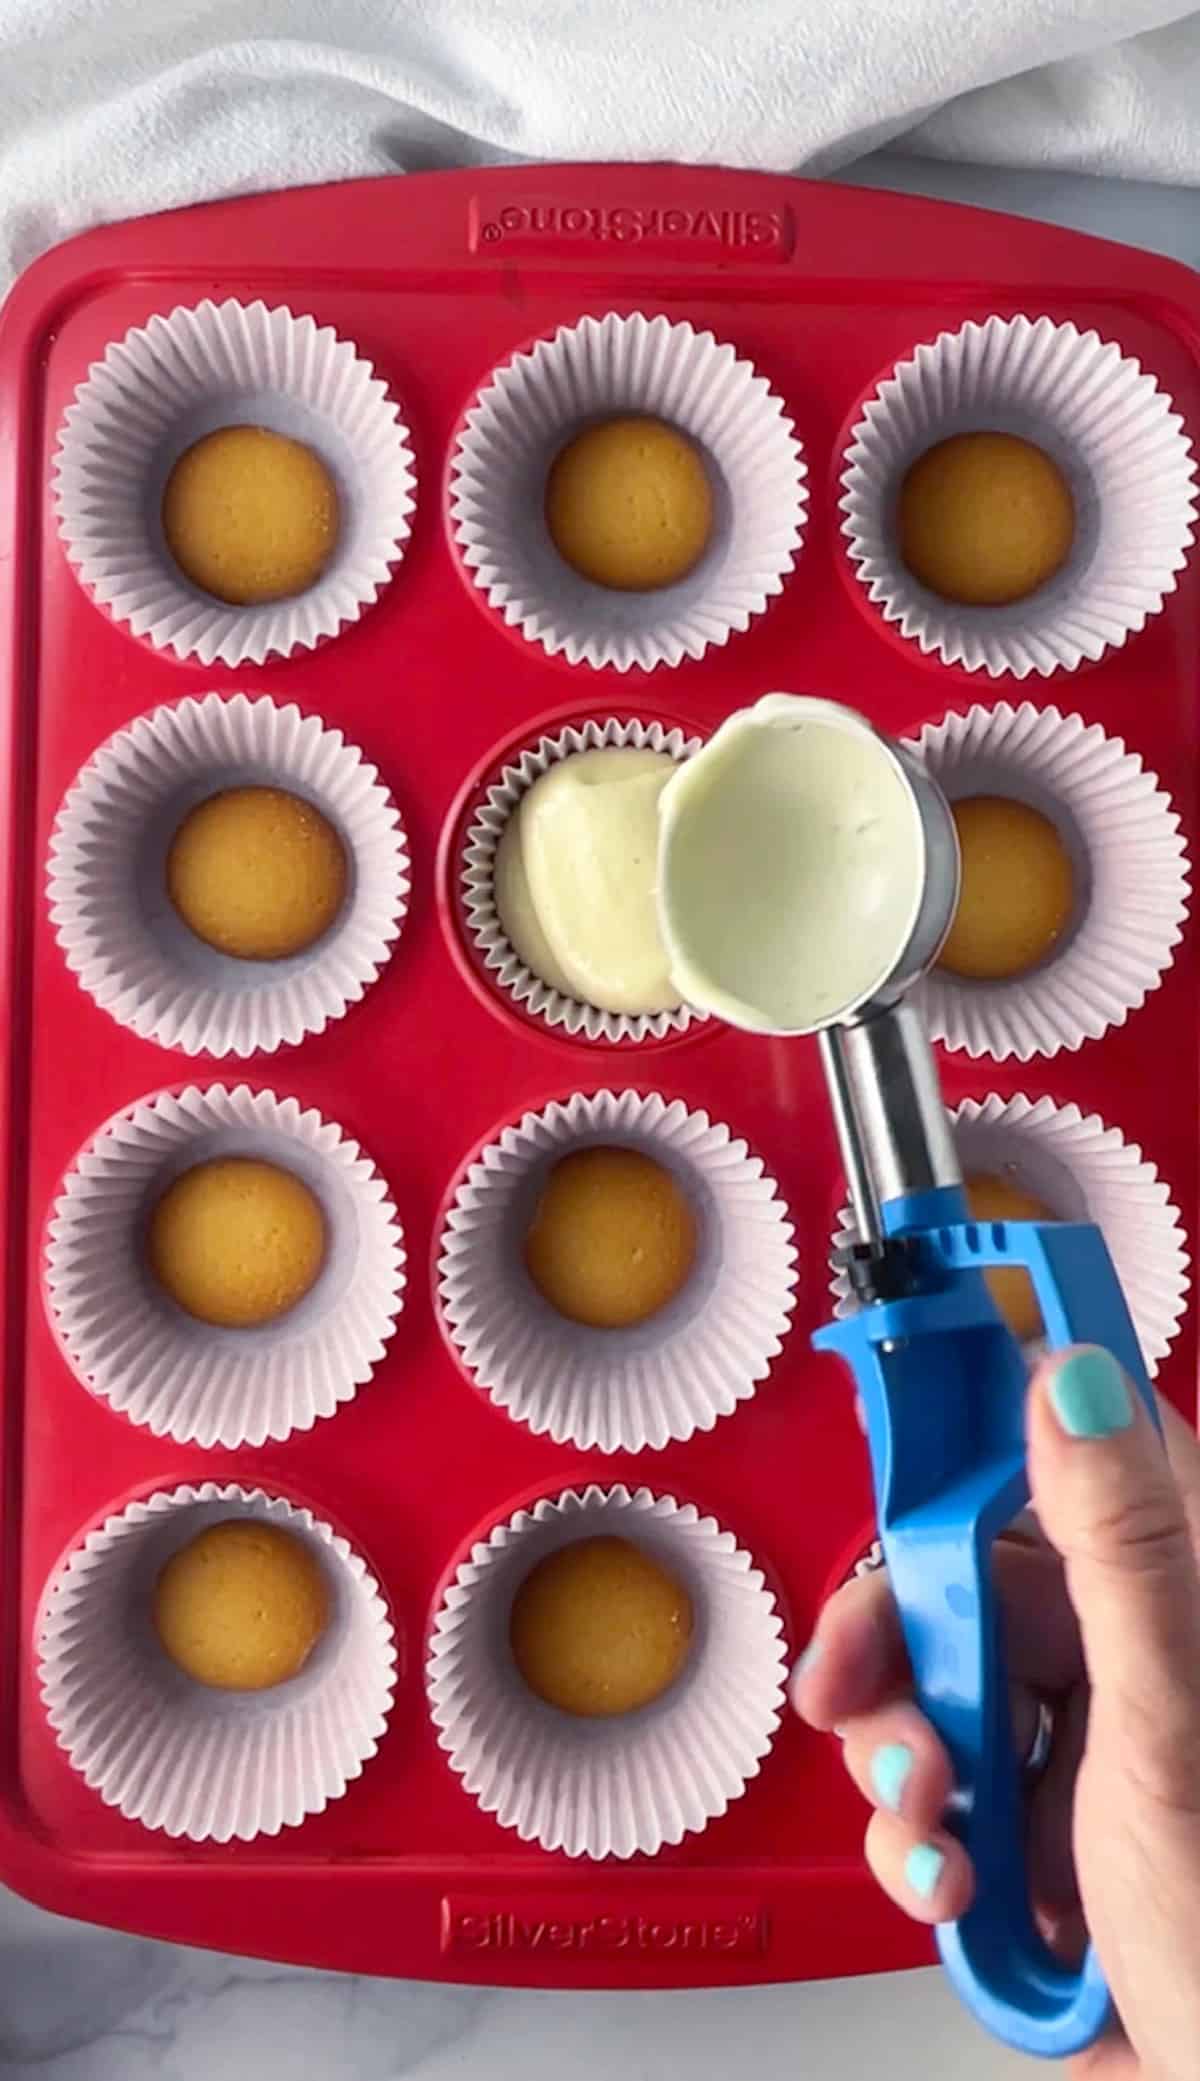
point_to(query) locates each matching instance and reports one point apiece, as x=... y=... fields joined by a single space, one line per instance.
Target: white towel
x=109 y=108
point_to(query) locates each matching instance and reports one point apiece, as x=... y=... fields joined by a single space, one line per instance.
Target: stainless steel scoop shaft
x=892 y=1126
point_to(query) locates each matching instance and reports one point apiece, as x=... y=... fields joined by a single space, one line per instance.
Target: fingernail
x=923 y=1867
x=808 y=1660
x=1090 y=1394
x=891 y=1766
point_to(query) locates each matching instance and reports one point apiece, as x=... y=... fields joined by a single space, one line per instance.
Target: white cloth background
x=109 y=108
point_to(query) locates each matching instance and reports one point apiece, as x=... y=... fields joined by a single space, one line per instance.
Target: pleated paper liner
x=166 y=385
x=176 y=1755
x=1083 y=1170
x=131 y=1344
x=620 y=1390
x=1118 y=441
x=1130 y=869
x=621 y=1786
x=478 y=883
x=597 y=369
x=106 y=878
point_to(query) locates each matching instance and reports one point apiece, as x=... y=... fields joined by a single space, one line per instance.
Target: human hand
x=1102 y=1621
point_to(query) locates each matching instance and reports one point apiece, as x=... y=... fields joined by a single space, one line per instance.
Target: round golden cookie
x=250 y=515
x=629 y=504
x=991 y=1198
x=241 y=1606
x=236 y=1242
x=598 y=1628
x=613 y=1238
x=985 y=519
x=1018 y=890
x=257 y=873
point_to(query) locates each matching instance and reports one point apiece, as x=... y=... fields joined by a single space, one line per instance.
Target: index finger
x=857 y=1660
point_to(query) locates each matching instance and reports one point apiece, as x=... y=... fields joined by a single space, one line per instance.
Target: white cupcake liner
x=164 y=386
x=478 y=874
x=620 y=1390
x=1131 y=877
x=1085 y=1171
x=609 y=1787
x=106 y=877
x=601 y=367
x=214 y=1766
x=188 y=1380
x=1117 y=440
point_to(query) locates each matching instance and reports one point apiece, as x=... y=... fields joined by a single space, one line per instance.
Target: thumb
x=1107 y=1500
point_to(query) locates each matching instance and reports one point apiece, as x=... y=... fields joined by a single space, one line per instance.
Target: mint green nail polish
x=808 y=1660
x=891 y=1767
x=1091 y=1395
x=923 y=1867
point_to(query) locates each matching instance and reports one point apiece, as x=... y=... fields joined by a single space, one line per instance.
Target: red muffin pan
x=437 y=279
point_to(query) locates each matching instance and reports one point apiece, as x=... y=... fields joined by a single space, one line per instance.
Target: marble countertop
x=82 y=2004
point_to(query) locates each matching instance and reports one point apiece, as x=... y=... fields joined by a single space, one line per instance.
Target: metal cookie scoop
x=808 y=874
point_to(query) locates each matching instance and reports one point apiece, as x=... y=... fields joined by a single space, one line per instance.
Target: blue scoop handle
x=943 y=1385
